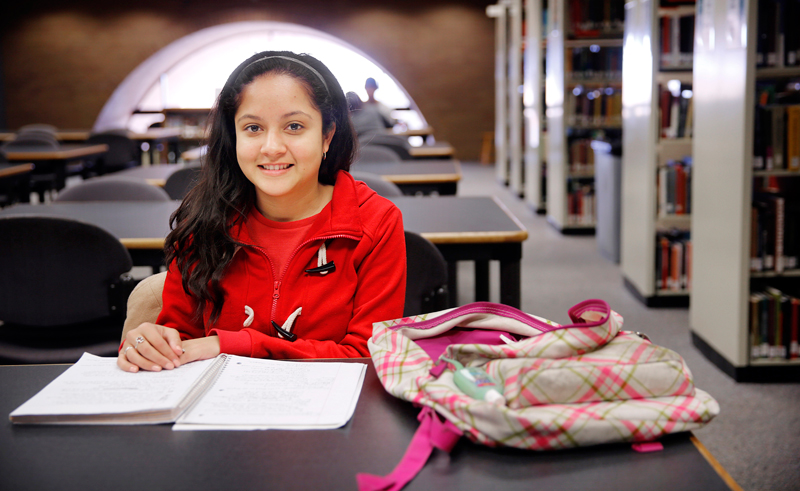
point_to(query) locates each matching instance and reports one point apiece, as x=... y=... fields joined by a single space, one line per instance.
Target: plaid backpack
x=574 y=385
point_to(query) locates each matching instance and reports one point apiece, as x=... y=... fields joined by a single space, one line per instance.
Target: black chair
x=376 y=183
x=63 y=290
x=376 y=154
x=397 y=144
x=426 y=284
x=182 y=180
x=46 y=128
x=123 y=153
x=113 y=189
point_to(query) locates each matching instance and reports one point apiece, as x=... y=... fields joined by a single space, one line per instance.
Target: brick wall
x=61 y=63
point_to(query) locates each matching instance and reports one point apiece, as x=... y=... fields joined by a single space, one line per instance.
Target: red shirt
x=279 y=239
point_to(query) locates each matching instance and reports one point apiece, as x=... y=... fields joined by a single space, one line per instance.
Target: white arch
x=130 y=93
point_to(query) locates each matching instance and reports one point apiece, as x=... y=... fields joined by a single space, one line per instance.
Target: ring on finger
x=125 y=352
x=139 y=341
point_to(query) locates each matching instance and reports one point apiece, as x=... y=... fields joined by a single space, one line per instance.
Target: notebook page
x=95 y=385
x=263 y=394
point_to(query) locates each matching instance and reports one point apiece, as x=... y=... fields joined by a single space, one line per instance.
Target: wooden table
x=150 y=137
x=418 y=176
x=14 y=183
x=54 y=161
x=155 y=175
x=441 y=150
x=476 y=229
x=63 y=153
x=194 y=153
x=82 y=458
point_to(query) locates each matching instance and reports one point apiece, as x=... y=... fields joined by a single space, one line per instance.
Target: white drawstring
x=322 y=257
x=287 y=326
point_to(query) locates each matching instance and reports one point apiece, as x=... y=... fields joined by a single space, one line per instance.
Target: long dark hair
x=200 y=241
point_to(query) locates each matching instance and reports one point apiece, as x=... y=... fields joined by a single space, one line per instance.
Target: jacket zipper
x=276 y=286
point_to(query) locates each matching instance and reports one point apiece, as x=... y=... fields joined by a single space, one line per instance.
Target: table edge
x=714 y=463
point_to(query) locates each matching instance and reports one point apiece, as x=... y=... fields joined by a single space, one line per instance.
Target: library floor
x=756 y=436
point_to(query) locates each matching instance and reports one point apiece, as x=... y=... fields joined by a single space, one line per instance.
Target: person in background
x=385 y=112
x=366 y=117
x=277 y=252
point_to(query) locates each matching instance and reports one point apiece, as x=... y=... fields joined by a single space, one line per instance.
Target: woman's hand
x=151 y=347
x=200 y=349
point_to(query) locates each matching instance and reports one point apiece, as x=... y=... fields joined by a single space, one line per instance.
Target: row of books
x=778 y=41
x=580 y=203
x=677 y=42
x=596 y=18
x=775 y=232
x=774 y=324
x=581 y=156
x=594 y=62
x=588 y=107
x=776 y=145
x=673 y=261
x=675 y=188
x=676 y=110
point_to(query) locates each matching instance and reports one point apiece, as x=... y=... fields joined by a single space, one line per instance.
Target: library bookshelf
x=533 y=103
x=655 y=251
x=583 y=102
x=728 y=51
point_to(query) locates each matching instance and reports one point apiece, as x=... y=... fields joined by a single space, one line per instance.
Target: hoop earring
x=324 y=155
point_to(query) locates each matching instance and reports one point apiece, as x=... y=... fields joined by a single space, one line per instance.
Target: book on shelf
x=581 y=156
x=593 y=107
x=226 y=392
x=595 y=18
x=675 y=188
x=777 y=38
x=593 y=63
x=773 y=324
x=673 y=261
x=580 y=203
x=677 y=42
x=774 y=239
x=776 y=138
x=675 y=109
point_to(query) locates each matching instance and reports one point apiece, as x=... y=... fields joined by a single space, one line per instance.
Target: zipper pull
x=276 y=290
x=286 y=334
x=325 y=268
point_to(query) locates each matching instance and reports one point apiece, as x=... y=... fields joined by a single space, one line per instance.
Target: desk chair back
x=376 y=154
x=426 y=282
x=182 y=180
x=62 y=287
x=46 y=128
x=113 y=189
x=397 y=144
x=34 y=140
x=376 y=183
x=123 y=152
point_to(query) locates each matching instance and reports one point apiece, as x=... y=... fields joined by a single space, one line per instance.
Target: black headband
x=314 y=71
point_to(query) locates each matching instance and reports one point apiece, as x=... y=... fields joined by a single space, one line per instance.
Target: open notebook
x=226 y=392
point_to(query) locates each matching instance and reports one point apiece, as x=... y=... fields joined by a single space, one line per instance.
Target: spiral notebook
x=226 y=392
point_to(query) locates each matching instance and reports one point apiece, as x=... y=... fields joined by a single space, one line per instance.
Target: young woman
x=277 y=252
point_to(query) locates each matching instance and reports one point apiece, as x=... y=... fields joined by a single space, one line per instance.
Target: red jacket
x=363 y=233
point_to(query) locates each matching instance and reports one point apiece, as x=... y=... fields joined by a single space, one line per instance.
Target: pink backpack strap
x=433 y=432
